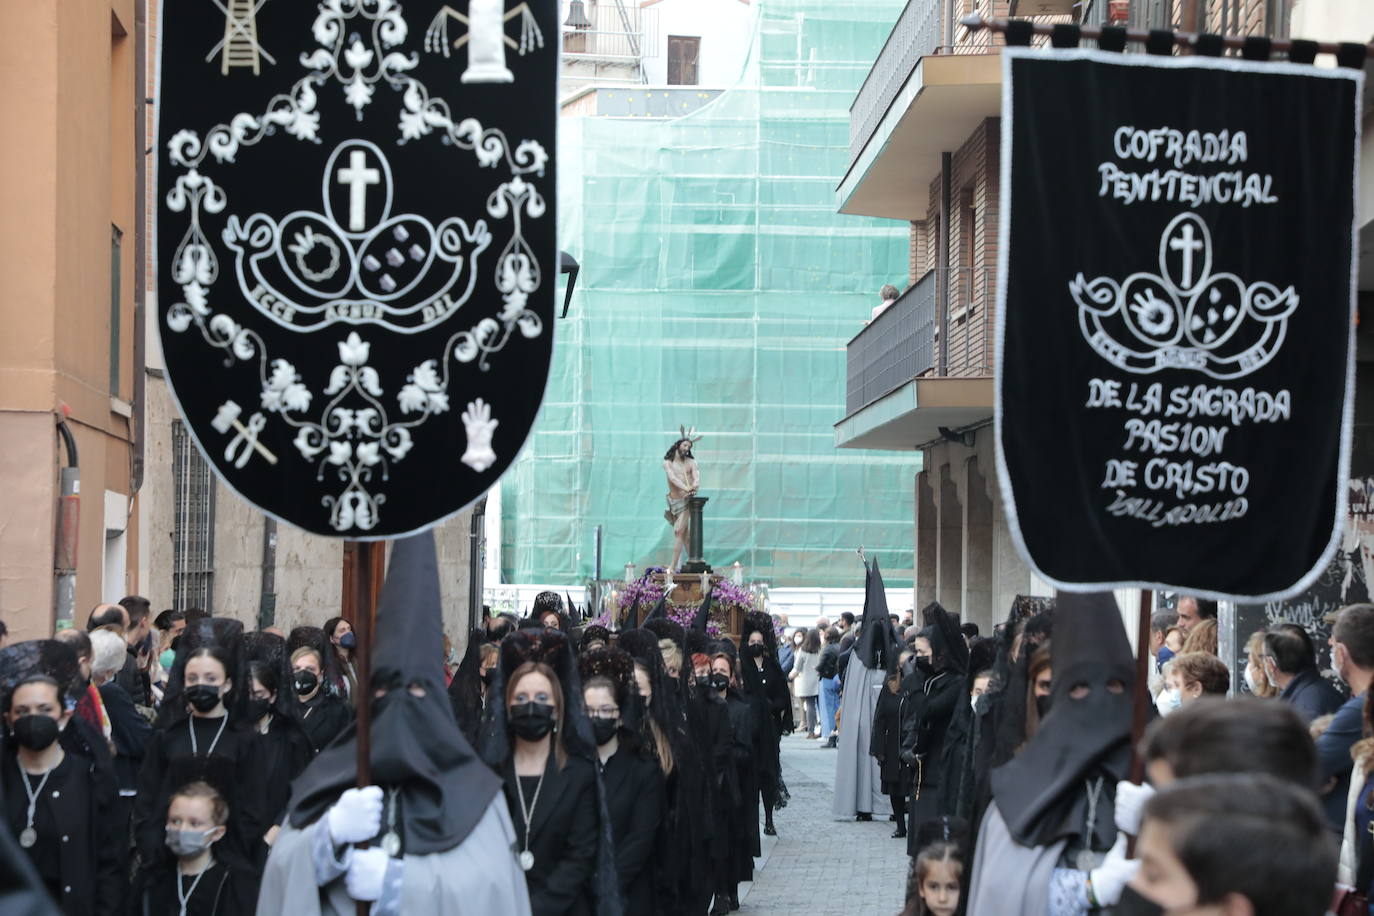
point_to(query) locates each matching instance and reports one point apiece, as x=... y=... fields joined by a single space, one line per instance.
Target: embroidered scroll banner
x=1175 y=319
x=355 y=240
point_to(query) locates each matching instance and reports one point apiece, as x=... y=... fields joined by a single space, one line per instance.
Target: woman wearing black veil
x=749 y=740
x=204 y=716
x=766 y=685
x=942 y=661
x=323 y=710
x=539 y=740
x=271 y=712
x=681 y=864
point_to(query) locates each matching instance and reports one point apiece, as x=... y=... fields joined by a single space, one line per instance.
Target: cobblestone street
x=818 y=865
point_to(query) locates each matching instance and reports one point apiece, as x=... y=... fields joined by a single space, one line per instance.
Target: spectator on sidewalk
x=828 y=673
x=1352 y=655
x=1290 y=664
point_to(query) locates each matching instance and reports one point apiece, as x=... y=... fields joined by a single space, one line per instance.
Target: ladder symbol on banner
x=240 y=42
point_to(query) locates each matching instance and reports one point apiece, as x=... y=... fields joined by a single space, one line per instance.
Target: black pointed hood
x=660 y=610
x=1042 y=792
x=416 y=746
x=632 y=617
x=878 y=646
x=703 y=615
x=946 y=639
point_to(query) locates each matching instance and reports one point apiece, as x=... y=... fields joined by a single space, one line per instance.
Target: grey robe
x=479 y=876
x=1010 y=879
x=858 y=782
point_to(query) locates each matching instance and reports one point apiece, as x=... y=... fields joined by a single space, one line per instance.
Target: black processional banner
x=1176 y=311
x=355 y=239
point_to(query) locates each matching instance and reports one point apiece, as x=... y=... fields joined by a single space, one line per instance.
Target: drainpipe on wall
x=942 y=261
x=140 y=246
x=267 y=604
x=475 y=564
x=68 y=528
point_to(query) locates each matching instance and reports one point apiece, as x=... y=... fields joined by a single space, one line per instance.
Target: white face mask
x=1168 y=701
x=1250 y=680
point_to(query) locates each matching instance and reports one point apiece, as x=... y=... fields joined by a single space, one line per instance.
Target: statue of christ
x=683 y=482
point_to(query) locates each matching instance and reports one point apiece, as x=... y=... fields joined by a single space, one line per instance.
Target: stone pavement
x=818 y=865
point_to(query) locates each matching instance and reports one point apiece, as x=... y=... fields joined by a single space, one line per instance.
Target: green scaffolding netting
x=718 y=289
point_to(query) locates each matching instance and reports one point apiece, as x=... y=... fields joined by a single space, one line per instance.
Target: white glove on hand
x=1116 y=871
x=356 y=816
x=367 y=871
x=1130 y=802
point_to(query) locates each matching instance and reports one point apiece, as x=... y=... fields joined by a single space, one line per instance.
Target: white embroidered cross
x=358 y=176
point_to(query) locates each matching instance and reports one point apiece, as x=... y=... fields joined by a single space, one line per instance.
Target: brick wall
x=972 y=250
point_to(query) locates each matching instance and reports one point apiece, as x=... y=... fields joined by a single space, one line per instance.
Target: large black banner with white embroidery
x=1176 y=310
x=355 y=240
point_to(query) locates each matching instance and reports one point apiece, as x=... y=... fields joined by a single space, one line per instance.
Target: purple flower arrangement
x=726 y=597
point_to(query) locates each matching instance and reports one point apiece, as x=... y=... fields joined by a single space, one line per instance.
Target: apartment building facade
x=925 y=138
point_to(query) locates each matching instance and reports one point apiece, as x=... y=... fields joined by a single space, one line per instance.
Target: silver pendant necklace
x=527 y=857
x=28 y=836
x=391 y=843
x=191 y=727
x=1087 y=860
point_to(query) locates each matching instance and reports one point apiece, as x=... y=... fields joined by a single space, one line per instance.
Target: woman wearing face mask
x=323 y=715
x=748 y=744
x=285 y=746
x=467 y=692
x=765 y=686
x=633 y=782
x=709 y=724
x=58 y=804
x=551 y=794
x=197 y=881
x=197 y=730
x=342 y=642
x=942 y=660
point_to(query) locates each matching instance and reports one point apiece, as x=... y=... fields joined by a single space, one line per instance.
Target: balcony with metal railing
x=923 y=362
x=608 y=31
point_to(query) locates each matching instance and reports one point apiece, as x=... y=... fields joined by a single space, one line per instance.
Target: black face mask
x=756 y=650
x=531 y=721
x=1132 y=904
x=924 y=665
x=258 y=708
x=305 y=682
x=604 y=729
x=1042 y=706
x=720 y=681
x=202 y=697
x=35 y=732
x=704 y=682
x=486 y=676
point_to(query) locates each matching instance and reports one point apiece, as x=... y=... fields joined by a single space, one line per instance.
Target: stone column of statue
x=683 y=481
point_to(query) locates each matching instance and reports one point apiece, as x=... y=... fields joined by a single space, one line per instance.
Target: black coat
x=285 y=752
x=223 y=891
x=323 y=718
x=79 y=844
x=168 y=764
x=134 y=682
x=886 y=742
x=748 y=748
x=129 y=732
x=563 y=836
x=634 y=801
x=925 y=722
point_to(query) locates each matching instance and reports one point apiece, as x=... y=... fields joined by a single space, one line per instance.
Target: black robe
x=886 y=742
x=168 y=764
x=221 y=891
x=79 y=850
x=562 y=836
x=924 y=724
x=323 y=717
x=635 y=802
x=709 y=721
x=285 y=750
x=749 y=744
x=766 y=688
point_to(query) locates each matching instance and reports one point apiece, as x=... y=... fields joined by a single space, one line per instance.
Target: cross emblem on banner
x=357 y=175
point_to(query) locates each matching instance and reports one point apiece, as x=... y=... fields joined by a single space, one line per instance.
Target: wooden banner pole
x=1143 y=699
x=362 y=583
